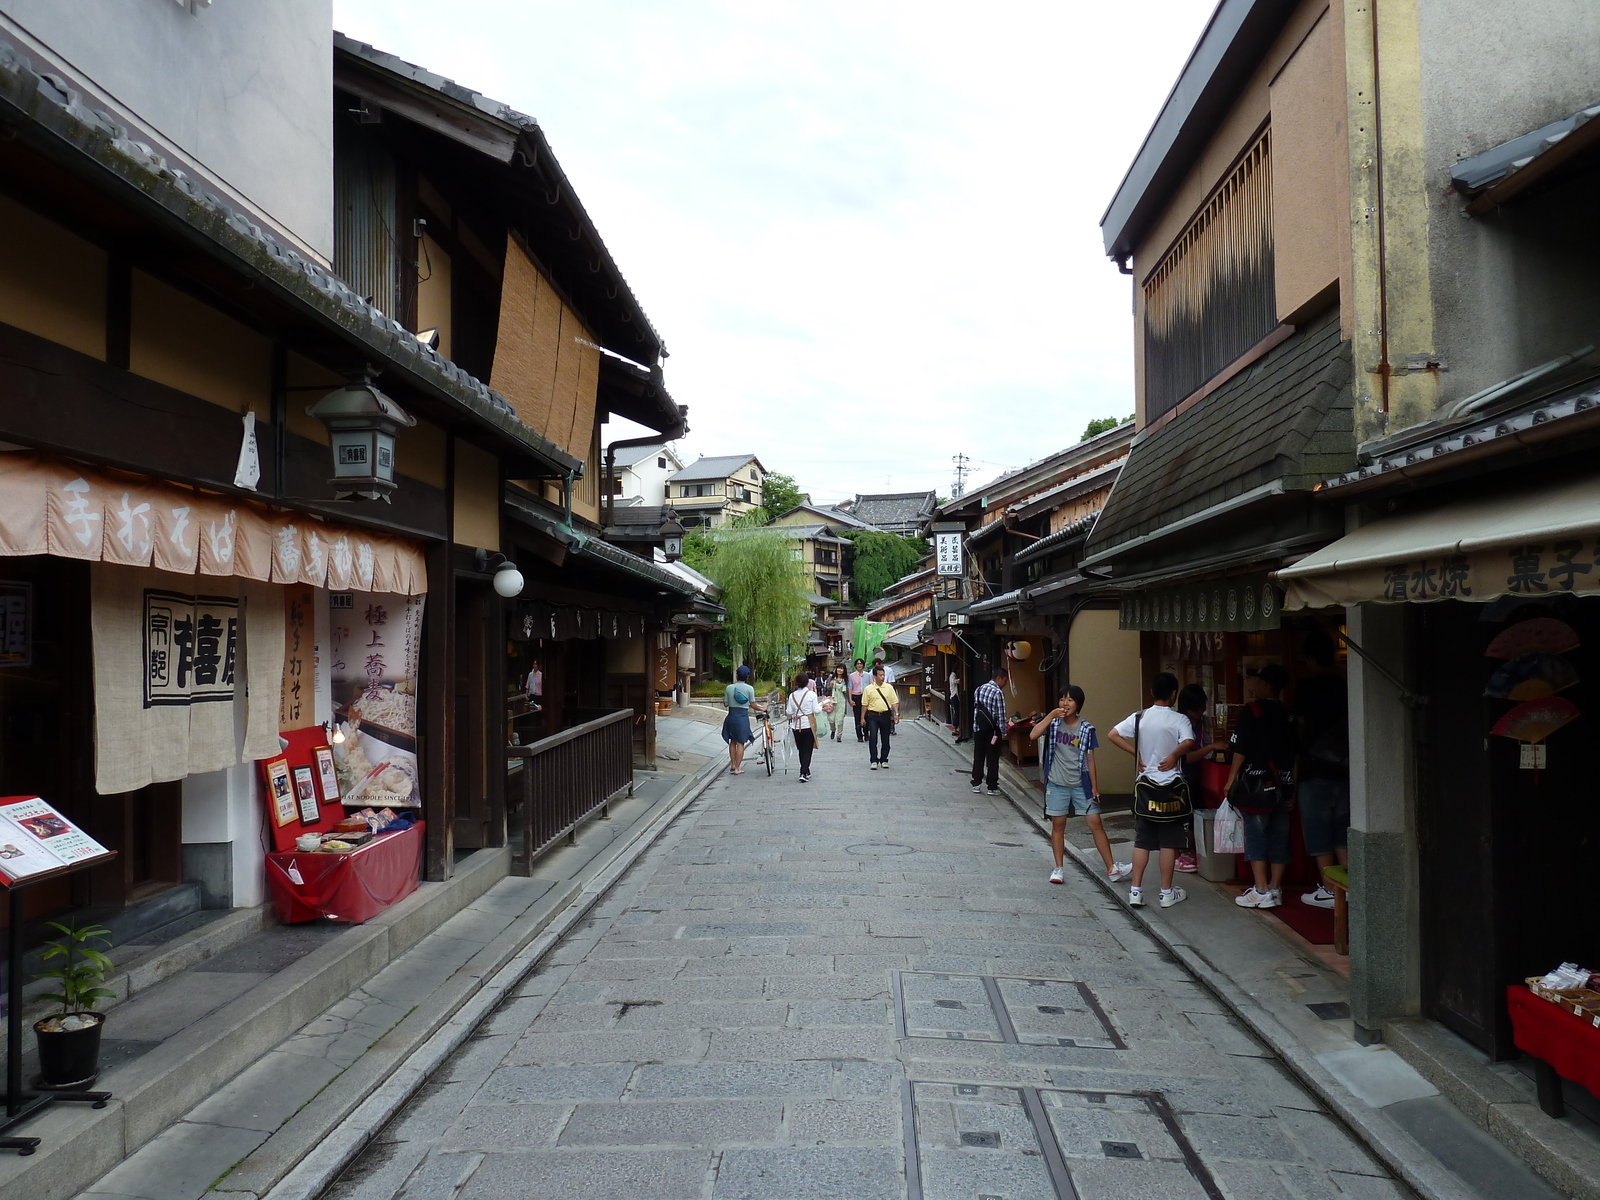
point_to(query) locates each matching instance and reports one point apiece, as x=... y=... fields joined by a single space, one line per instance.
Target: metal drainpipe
x=611 y=465
x=1377 y=178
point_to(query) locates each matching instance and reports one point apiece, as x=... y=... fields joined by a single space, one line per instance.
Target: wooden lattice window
x=1213 y=295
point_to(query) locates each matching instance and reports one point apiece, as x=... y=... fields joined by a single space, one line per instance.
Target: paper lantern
x=1020 y=651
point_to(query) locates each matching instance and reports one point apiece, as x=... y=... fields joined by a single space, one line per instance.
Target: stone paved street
x=865 y=988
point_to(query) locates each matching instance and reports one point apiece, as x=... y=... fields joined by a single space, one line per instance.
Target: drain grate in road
x=1025 y=1143
x=1004 y=1009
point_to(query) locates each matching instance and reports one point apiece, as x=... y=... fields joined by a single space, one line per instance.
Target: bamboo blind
x=1228 y=237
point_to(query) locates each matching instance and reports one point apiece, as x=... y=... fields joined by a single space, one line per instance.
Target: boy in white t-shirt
x=1164 y=735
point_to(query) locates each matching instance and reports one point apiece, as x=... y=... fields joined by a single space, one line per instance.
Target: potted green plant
x=69 y=1041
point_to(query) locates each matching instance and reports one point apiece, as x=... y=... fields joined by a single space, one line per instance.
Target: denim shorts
x=1324 y=814
x=1266 y=836
x=1063 y=801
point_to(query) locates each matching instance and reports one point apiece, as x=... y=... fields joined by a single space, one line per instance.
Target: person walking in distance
x=802 y=709
x=1157 y=738
x=1321 y=703
x=736 y=725
x=1066 y=759
x=988 y=727
x=1263 y=745
x=839 y=693
x=858 y=684
x=881 y=703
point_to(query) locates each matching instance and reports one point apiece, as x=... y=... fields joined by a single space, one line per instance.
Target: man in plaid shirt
x=988 y=727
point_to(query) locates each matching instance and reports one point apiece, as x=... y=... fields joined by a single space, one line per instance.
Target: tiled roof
x=889 y=509
x=1287 y=417
x=715 y=467
x=59 y=114
x=1054 y=541
x=628 y=455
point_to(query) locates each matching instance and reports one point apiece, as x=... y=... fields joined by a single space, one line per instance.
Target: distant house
x=716 y=489
x=642 y=473
x=835 y=518
x=907 y=513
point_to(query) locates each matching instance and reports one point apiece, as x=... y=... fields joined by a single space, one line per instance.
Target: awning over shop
x=52 y=506
x=1241 y=604
x=1537 y=542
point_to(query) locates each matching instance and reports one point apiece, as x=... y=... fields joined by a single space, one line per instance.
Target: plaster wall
x=1103 y=660
x=1520 y=286
x=52 y=283
x=242 y=90
x=477 y=498
x=649 y=481
x=184 y=343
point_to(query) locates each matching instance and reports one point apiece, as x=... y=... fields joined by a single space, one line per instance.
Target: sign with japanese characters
x=296 y=703
x=191 y=644
x=1533 y=569
x=16 y=624
x=947 y=553
x=35 y=839
x=375 y=651
x=1240 y=604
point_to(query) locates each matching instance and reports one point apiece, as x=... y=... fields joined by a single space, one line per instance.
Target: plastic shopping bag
x=1227 y=836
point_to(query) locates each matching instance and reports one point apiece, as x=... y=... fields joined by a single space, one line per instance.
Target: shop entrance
x=1507 y=850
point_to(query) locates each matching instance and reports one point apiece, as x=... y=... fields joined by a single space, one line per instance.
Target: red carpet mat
x=1313 y=924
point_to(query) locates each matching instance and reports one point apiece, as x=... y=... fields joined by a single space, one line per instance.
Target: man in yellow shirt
x=881 y=705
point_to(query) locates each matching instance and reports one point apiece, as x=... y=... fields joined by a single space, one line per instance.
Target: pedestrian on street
x=1157 y=738
x=881 y=703
x=1192 y=704
x=988 y=727
x=840 y=695
x=1321 y=703
x=858 y=683
x=1071 y=783
x=736 y=725
x=1263 y=745
x=802 y=710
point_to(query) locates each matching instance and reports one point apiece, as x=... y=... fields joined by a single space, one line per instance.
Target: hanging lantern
x=362 y=423
x=1021 y=651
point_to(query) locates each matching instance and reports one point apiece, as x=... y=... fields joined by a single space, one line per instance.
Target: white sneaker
x=1135 y=898
x=1177 y=894
x=1120 y=871
x=874 y=766
x=1274 y=899
x=1055 y=876
x=1254 y=899
x=977 y=789
x=1321 y=898
x=994 y=791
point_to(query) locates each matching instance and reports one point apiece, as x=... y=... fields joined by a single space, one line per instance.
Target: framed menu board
x=35 y=839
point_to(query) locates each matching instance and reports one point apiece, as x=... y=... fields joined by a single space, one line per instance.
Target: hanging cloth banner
x=535 y=619
x=171 y=662
x=1242 y=604
x=376 y=653
x=869 y=636
x=50 y=506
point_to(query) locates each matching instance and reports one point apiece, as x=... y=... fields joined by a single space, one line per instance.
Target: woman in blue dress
x=736 y=725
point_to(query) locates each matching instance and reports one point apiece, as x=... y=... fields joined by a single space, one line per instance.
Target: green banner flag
x=868 y=637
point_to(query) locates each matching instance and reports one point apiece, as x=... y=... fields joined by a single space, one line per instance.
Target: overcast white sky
x=868 y=230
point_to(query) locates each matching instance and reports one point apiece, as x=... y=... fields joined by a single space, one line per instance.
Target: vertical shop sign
x=376 y=649
x=947 y=549
x=191 y=644
x=297 y=703
x=16 y=624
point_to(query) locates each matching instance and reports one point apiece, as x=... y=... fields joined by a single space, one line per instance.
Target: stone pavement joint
x=723 y=1026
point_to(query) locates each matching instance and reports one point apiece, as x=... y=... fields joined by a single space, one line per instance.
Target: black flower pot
x=69 y=1057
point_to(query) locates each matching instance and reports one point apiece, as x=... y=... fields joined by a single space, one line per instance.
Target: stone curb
x=336 y=1150
x=1395 y=1148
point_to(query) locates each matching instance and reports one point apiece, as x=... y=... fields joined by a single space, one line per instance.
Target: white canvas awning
x=1536 y=542
x=52 y=506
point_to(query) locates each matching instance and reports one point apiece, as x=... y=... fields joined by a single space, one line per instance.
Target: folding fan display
x=1531 y=676
x=1540 y=635
x=1535 y=720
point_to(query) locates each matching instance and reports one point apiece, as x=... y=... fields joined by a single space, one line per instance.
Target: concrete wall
x=649 y=481
x=1104 y=661
x=241 y=89
x=1515 y=288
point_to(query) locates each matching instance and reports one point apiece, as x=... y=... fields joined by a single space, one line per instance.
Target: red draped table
x=352 y=887
x=1561 y=1044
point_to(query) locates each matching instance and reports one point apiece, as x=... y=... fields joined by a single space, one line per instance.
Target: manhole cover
x=990 y=1140
x=879 y=848
x=1120 y=1150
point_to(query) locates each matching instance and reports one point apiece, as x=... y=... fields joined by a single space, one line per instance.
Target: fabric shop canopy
x=536 y=619
x=61 y=508
x=1238 y=604
x=1534 y=543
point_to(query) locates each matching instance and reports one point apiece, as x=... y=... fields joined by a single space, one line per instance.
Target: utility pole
x=960 y=461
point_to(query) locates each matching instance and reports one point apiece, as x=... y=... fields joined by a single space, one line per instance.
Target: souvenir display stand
x=1562 y=1044
x=352 y=887
x=28 y=826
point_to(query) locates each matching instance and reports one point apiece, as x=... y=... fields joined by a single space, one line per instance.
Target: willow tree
x=764 y=589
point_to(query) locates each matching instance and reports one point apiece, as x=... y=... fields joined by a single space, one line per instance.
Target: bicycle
x=764 y=741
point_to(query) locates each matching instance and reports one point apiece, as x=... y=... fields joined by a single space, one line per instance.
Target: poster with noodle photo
x=375 y=643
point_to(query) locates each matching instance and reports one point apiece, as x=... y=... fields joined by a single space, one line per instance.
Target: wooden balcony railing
x=556 y=783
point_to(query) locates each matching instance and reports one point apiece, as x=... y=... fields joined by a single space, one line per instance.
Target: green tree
x=764 y=588
x=779 y=493
x=880 y=559
x=1103 y=424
